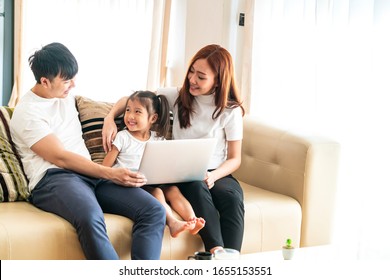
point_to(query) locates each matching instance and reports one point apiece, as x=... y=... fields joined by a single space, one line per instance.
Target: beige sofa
x=289 y=184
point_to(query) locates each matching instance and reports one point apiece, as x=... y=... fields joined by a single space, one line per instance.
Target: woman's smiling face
x=201 y=78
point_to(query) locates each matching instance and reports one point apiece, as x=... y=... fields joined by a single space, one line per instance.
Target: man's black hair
x=52 y=60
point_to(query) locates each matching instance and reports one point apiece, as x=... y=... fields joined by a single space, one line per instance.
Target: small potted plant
x=288 y=250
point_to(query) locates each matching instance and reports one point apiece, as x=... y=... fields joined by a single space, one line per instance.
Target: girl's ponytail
x=163 y=122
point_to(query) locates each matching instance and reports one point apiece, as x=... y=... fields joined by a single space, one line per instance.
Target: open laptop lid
x=176 y=161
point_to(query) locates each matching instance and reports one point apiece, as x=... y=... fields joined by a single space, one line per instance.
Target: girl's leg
x=146 y=212
x=200 y=198
x=175 y=226
x=72 y=197
x=228 y=199
x=181 y=205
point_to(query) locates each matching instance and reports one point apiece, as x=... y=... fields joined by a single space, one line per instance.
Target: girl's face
x=201 y=78
x=137 y=119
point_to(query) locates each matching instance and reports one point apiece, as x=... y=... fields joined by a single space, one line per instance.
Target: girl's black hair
x=154 y=104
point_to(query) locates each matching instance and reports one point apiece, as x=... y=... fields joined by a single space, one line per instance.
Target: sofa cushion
x=14 y=184
x=91 y=114
x=27 y=233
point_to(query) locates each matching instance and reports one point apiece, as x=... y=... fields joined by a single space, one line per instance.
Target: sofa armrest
x=302 y=167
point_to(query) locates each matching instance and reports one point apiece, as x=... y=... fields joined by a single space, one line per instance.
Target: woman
x=208 y=105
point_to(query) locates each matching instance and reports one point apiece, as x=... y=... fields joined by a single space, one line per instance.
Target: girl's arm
x=109 y=127
x=110 y=157
x=231 y=164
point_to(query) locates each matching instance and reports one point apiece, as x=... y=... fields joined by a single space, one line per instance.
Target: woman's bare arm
x=109 y=127
x=231 y=164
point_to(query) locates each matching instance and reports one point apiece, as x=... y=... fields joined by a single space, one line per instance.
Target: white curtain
x=323 y=66
x=117 y=42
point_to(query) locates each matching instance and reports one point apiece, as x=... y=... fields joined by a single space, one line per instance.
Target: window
x=114 y=41
x=6 y=45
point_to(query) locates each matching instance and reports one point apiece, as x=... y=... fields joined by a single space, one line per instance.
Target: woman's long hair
x=226 y=92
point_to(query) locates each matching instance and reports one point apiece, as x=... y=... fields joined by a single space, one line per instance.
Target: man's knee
x=155 y=211
x=90 y=217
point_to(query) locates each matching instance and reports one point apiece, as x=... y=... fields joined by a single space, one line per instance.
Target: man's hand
x=127 y=178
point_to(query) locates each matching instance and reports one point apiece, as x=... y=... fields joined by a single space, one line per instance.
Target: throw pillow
x=91 y=114
x=14 y=183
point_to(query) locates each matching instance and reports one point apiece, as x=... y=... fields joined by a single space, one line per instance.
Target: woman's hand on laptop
x=127 y=178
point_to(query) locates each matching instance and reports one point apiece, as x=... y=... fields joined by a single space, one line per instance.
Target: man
x=62 y=178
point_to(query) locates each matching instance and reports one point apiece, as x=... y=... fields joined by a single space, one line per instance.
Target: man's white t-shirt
x=34 y=118
x=227 y=127
x=131 y=149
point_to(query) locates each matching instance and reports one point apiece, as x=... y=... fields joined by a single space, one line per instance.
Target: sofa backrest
x=302 y=167
x=272 y=159
x=13 y=181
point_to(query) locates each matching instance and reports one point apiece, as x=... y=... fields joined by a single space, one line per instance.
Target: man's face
x=58 y=87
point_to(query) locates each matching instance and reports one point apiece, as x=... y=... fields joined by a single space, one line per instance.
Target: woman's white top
x=227 y=127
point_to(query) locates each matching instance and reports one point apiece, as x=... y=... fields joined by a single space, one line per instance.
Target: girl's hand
x=209 y=180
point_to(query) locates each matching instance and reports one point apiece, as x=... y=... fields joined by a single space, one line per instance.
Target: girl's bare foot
x=176 y=227
x=199 y=224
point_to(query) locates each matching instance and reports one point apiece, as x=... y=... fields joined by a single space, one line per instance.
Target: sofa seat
x=270 y=218
x=27 y=232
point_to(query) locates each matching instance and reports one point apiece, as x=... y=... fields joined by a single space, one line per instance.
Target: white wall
x=196 y=23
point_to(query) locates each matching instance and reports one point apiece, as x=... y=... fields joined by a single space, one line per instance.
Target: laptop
x=176 y=161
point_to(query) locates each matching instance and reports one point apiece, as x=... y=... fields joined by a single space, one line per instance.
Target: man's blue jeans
x=81 y=200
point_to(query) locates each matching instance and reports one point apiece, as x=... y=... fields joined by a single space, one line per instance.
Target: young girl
x=146 y=118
